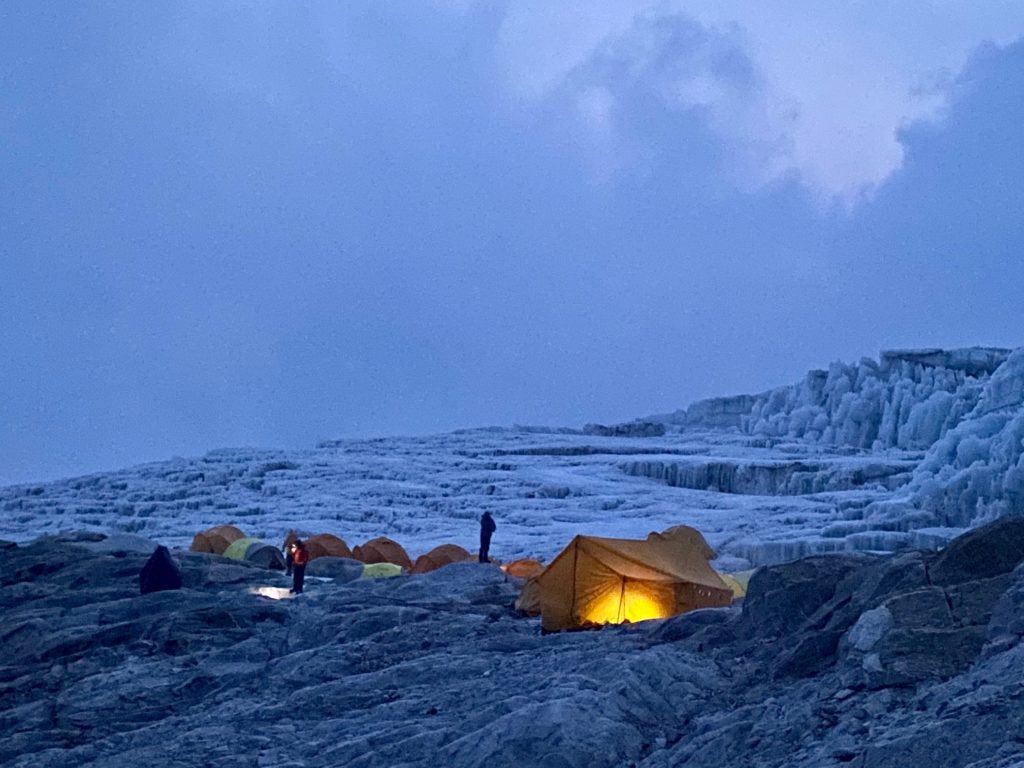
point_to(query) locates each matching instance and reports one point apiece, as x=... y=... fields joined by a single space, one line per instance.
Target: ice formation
x=906 y=451
x=964 y=408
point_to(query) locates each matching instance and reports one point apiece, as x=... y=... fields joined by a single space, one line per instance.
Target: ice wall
x=975 y=471
x=964 y=408
x=907 y=399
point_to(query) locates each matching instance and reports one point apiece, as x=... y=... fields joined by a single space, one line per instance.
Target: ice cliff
x=963 y=408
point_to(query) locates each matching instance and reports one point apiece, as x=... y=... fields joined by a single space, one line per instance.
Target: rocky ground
x=861 y=660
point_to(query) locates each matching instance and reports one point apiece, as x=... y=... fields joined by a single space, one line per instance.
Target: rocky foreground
x=860 y=660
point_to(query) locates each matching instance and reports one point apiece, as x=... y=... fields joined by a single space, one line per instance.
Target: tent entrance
x=628 y=600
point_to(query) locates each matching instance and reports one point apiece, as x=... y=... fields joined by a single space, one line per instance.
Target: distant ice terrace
x=904 y=451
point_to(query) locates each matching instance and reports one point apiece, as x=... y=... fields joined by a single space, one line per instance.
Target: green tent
x=381 y=570
x=237 y=549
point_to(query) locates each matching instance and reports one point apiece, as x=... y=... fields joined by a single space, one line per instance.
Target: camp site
x=646 y=600
x=516 y=384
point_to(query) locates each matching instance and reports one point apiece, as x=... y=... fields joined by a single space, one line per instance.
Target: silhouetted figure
x=487 y=527
x=300 y=556
x=159 y=573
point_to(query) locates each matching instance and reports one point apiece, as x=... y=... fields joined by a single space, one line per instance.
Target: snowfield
x=907 y=451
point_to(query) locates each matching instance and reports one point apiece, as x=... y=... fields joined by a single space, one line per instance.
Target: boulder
x=341 y=569
x=982 y=553
x=1006 y=627
x=780 y=598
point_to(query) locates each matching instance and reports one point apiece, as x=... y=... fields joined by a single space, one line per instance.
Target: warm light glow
x=633 y=603
x=274 y=593
x=643 y=607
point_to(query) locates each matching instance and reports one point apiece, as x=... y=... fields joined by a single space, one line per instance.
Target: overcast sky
x=227 y=224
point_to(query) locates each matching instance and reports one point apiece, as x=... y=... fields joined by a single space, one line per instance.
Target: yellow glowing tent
x=597 y=581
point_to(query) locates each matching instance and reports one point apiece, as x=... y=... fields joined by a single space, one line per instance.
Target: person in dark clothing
x=487 y=527
x=300 y=556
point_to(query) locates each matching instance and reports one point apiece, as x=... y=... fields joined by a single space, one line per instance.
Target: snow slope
x=903 y=452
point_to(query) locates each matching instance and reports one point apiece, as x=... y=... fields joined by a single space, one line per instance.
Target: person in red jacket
x=300 y=556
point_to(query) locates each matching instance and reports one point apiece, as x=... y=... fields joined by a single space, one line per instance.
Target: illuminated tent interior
x=596 y=581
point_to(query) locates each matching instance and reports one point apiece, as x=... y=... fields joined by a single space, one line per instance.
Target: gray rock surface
x=341 y=569
x=852 y=660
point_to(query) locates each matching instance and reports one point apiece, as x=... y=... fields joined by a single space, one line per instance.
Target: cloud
x=831 y=85
x=232 y=227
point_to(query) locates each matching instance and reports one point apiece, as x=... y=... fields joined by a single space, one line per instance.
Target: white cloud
x=836 y=81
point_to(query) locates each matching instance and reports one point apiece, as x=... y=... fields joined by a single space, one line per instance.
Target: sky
x=268 y=224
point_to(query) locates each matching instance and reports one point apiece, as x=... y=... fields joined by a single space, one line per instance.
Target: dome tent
x=327 y=545
x=256 y=551
x=524 y=568
x=596 y=581
x=381 y=571
x=439 y=557
x=215 y=540
x=383 y=550
x=236 y=550
x=266 y=555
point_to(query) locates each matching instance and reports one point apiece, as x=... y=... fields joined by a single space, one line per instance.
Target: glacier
x=900 y=452
x=963 y=408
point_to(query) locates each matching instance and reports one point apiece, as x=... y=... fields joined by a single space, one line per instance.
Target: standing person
x=487 y=527
x=300 y=556
x=288 y=546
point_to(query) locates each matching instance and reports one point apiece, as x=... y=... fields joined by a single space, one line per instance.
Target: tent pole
x=622 y=601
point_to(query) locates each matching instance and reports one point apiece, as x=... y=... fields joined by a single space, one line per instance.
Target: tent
x=266 y=555
x=597 y=581
x=525 y=568
x=327 y=545
x=738 y=582
x=217 y=539
x=236 y=550
x=441 y=556
x=528 y=601
x=381 y=570
x=256 y=551
x=382 y=550
x=159 y=573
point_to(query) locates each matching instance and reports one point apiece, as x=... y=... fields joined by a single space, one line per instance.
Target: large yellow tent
x=597 y=581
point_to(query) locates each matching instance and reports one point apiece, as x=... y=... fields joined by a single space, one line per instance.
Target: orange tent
x=327 y=545
x=440 y=556
x=597 y=581
x=382 y=550
x=216 y=539
x=528 y=601
x=525 y=568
